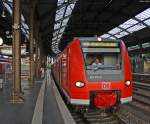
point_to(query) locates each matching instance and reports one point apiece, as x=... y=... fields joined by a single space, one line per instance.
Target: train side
x=70 y=73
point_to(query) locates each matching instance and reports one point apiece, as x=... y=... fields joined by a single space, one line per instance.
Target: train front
x=107 y=72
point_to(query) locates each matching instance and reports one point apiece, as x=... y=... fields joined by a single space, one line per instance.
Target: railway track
x=141 y=102
x=141 y=94
x=137 y=112
x=123 y=116
x=145 y=100
x=130 y=115
x=96 y=117
x=138 y=86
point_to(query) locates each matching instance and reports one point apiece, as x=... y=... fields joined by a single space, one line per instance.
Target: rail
x=145 y=78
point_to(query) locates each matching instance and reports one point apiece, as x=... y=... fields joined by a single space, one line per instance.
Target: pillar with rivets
x=36 y=50
x=17 y=95
x=31 y=40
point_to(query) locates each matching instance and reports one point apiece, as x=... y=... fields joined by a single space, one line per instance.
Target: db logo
x=105 y=85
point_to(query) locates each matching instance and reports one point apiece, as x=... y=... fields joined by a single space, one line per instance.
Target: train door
x=64 y=71
x=60 y=74
x=68 y=69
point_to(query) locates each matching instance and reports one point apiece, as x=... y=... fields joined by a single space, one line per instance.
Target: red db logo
x=105 y=85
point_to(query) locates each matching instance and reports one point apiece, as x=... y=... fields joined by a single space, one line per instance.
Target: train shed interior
x=34 y=32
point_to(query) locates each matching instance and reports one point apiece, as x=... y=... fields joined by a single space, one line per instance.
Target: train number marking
x=106 y=85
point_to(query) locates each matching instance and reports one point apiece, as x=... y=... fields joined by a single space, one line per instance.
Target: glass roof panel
x=8 y=5
x=56 y=26
x=10 y=1
x=133 y=47
x=55 y=33
x=121 y=34
x=114 y=31
x=62 y=30
x=22 y=18
x=25 y=26
x=60 y=2
x=27 y=36
x=59 y=36
x=136 y=28
x=105 y=36
x=112 y=38
x=27 y=32
x=144 y=15
x=69 y=9
x=147 y=22
x=23 y=30
x=53 y=42
x=131 y=25
x=8 y=8
x=59 y=13
x=128 y=23
x=145 y=45
x=54 y=38
x=65 y=21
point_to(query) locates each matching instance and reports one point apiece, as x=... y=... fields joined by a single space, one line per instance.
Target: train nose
x=104 y=100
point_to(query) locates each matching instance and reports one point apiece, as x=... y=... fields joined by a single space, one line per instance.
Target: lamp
x=1 y=41
x=3 y=12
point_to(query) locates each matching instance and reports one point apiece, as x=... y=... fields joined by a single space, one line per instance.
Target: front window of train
x=103 y=63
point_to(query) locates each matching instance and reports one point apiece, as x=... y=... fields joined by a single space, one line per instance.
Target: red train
x=101 y=85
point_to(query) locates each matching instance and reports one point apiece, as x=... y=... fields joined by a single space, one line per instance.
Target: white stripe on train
x=87 y=102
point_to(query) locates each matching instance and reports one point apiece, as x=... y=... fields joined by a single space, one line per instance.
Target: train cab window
x=108 y=59
x=91 y=59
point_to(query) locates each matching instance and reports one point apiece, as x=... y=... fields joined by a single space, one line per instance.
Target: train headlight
x=80 y=84
x=127 y=83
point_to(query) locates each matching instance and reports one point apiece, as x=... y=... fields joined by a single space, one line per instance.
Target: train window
x=109 y=59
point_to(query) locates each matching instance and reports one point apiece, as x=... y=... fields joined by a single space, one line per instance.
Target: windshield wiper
x=102 y=68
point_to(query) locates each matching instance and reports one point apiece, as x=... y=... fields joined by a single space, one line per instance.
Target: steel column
x=17 y=93
x=37 y=62
x=36 y=52
x=31 y=40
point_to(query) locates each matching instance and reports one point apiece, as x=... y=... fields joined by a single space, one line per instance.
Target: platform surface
x=23 y=113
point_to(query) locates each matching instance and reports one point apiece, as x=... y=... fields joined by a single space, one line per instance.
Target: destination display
x=99 y=44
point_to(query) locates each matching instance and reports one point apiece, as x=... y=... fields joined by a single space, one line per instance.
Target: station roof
x=61 y=20
x=44 y=19
x=5 y=23
x=109 y=18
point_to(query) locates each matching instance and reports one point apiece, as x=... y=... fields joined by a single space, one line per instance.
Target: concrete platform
x=18 y=113
x=42 y=105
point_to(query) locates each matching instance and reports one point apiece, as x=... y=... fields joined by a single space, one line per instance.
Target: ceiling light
x=7 y=32
x=3 y=14
x=99 y=38
x=1 y=41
